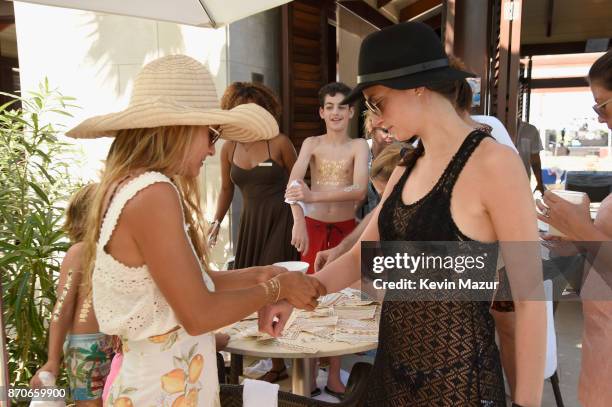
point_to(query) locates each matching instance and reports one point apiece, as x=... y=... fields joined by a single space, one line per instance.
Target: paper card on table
x=351 y=324
x=358 y=303
x=345 y=312
x=356 y=338
x=330 y=299
x=302 y=323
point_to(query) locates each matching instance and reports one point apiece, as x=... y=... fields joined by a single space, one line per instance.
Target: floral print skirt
x=87 y=359
x=169 y=370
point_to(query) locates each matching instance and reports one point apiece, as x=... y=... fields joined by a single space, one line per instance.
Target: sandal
x=316 y=392
x=336 y=394
x=273 y=376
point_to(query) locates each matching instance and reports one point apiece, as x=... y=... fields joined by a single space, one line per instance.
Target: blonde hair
x=161 y=149
x=384 y=164
x=77 y=211
x=367 y=123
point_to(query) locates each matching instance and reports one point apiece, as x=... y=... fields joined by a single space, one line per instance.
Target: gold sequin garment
x=333 y=172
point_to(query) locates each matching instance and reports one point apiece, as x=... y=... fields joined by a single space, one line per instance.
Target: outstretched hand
x=272 y=318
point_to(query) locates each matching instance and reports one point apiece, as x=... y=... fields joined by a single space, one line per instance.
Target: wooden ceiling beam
x=554 y=48
x=382 y=3
x=367 y=13
x=551 y=83
x=417 y=8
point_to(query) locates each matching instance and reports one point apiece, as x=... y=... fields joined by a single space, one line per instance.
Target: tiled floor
x=568 y=321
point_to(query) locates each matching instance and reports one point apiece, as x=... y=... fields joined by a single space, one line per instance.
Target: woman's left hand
x=299 y=192
x=565 y=216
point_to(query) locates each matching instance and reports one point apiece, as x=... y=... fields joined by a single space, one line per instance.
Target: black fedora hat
x=403 y=56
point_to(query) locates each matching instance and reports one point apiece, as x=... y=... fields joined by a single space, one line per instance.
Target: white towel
x=258 y=393
x=48 y=380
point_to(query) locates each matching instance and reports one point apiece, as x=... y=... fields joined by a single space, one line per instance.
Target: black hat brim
x=425 y=78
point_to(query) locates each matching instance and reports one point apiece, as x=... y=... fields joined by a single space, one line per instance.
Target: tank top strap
x=233 y=152
x=129 y=190
x=461 y=157
x=269 y=154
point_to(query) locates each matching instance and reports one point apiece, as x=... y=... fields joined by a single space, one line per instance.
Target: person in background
x=378 y=139
x=488 y=124
x=261 y=170
x=529 y=147
x=339 y=179
x=574 y=221
x=87 y=352
x=380 y=171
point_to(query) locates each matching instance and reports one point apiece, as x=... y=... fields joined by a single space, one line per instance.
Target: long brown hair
x=161 y=149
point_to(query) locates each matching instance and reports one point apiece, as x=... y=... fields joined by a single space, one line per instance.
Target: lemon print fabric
x=168 y=370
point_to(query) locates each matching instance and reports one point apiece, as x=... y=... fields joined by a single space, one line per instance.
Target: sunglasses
x=599 y=109
x=373 y=107
x=213 y=135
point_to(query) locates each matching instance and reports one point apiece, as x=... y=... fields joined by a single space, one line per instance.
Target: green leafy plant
x=34 y=184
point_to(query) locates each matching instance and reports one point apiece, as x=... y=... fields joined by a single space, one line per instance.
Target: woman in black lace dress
x=457 y=185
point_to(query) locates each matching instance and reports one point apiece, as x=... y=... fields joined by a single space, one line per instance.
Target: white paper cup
x=300 y=266
x=574 y=197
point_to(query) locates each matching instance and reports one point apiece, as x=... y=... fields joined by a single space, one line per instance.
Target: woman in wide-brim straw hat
x=145 y=242
x=457 y=185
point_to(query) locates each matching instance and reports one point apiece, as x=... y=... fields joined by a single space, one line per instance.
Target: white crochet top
x=126 y=300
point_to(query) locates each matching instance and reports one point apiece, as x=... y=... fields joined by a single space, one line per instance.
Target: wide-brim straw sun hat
x=177 y=90
x=403 y=56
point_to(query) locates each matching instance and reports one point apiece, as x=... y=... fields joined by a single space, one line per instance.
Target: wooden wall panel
x=305 y=48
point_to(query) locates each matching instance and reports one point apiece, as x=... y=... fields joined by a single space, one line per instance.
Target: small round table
x=301 y=368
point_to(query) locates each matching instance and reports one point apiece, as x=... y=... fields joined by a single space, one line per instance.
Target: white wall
x=95 y=57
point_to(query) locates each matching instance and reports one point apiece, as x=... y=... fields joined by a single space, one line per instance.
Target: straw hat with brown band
x=178 y=90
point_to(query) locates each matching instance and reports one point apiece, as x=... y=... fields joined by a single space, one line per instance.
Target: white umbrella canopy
x=201 y=13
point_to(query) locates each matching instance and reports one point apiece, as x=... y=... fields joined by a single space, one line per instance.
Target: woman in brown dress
x=261 y=170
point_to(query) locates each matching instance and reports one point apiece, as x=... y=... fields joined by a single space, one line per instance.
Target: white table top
x=250 y=347
x=308 y=336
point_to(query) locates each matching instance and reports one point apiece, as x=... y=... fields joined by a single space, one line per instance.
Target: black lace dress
x=434 y=353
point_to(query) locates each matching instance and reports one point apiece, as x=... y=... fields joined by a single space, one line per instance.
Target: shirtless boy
x=339 y=180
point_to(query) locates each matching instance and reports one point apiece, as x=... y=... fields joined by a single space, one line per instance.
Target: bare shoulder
x=281 y=139
x=227 y=147
x=492 y=159
x=311 y=142
x=74 y=256
x=160 y=198
x=359 y=144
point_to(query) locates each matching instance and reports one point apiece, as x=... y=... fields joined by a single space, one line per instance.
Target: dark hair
x=463 y=99
x=601 y=71
x=239 y=93
x=332 y=89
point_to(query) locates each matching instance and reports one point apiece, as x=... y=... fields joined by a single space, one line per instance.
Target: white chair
x=550 y=369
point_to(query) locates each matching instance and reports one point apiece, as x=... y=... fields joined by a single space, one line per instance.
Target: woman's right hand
x=300 y=290
x=273 y=317
x=51 y=367
x=299 y=237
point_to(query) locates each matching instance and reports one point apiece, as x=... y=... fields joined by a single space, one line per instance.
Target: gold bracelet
x=276 y=283
x=267 y=291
